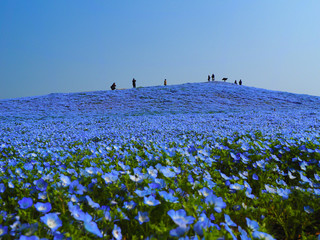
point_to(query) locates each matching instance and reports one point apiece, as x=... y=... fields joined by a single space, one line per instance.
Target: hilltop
x=209 y=97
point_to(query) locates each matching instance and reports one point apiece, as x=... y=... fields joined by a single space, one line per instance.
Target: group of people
x=113 y=86
x=224 y=79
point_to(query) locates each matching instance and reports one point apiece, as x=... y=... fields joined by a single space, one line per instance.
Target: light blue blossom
x=142 y=217
x=180 y=217
x=151 y=201
x=179 y=231
x=92 y=227
x=3 y=230
x=218 y=203
x=43 y=207
x=116 y=232
x=52 y=221
x=253 y=225
x=92 y=203
x=2 y=187
x=262 y=235
x=25 y=202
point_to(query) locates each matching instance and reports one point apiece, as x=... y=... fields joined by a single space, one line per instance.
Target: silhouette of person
x=208 y=78
x=240 y=82
x=212 y=77
x=235 y=82
x=134 y=83
x=113 y=86
x=165 y=82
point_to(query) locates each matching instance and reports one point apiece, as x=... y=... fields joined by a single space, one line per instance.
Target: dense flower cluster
x=235 y=174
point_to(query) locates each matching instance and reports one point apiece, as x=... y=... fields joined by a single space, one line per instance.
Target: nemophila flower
x=110 y=177
x=76 y=212
x=228 y=221
x=137 y=177
x=284 y=193
x=52 y=221
x=107 y=216
x=129 y=205
x=58 y=236
x=236 y=186
x=142 y=217
x=317 y=177
x=65 y=180
x=218 y=203
x=244 y=234
x=205 y=191
x=262 y=235
x=255 y=177
x=43 y=207
x=145 y=192
x=10 y=185
x=152 y=172
x=3 y=230
x=305 y=179
x=23 y=237
x=41 y=185
x=179 y=231
x=203 y=224
x=308 y=209
x=154 y=185
x=180 y=217
x=226 y=227
x=93 y=228
x=151 y=201
x=42 y=195
x=167 y=172
x=168 y=196
x=116 y=232
x=303 y=165
x=253 y=225
x=76 y=187
x=74 y=198
x=25 y=203
x=92 y=203
x=270 y=189
x=2 y=187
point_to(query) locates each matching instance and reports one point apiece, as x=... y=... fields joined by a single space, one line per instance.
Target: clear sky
x=77 y=45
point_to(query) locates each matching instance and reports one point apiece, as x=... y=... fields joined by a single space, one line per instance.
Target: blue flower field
x=193 y=161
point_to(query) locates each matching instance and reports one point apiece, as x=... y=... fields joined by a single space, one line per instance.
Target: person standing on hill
x=240 y=82
x=165 y=82
x=113 y=86
x=212 y=77
x=208 y=78
x=235 y=82
x=134 y=83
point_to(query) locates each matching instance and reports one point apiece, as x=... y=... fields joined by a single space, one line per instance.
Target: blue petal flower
x=179 y=231
x=253 y=225
x=218 y=203
x=142 y=217
x=180 y=217
x=262 y=235
x=93 y=228
x=116 y=232
x=3 y=230
x=151 y=201
x=25 y=203
x=43 y=207
x=52 y=221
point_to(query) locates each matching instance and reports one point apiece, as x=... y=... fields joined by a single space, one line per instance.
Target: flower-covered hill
x=192 y=161
x=211 y=97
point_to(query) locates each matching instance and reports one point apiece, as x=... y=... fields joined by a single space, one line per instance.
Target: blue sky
x=75 y=45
